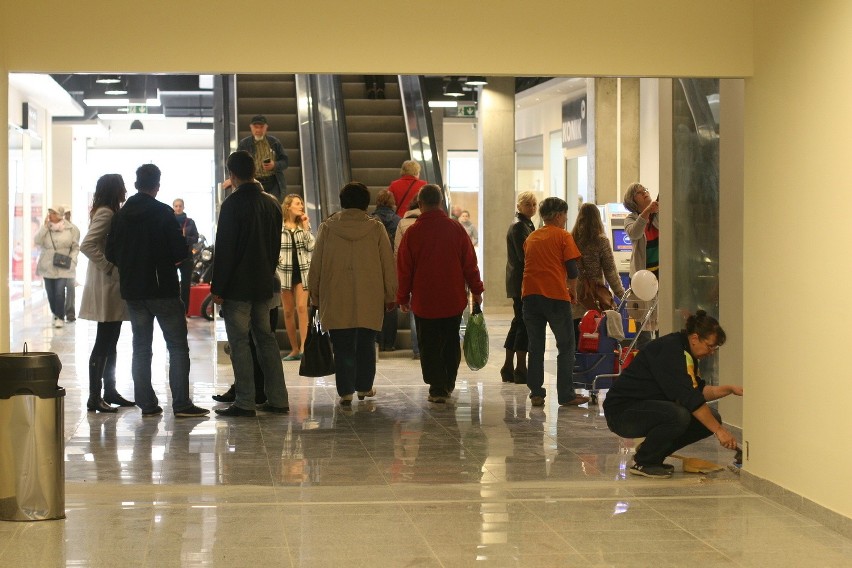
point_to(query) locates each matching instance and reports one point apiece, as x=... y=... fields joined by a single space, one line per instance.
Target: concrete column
x=614 y=148
x=496 y=127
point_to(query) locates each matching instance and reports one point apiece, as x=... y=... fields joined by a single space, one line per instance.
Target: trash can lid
x=30 y=372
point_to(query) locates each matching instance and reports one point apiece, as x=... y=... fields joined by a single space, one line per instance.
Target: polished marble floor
x=395 y=481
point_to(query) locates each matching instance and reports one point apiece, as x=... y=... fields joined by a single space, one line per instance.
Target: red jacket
x=402 y=194
x=434 y=261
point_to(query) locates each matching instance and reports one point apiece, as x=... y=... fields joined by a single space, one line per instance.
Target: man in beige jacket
x=352 y=280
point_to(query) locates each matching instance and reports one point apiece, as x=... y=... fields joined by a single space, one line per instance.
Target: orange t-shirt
x=546 y=251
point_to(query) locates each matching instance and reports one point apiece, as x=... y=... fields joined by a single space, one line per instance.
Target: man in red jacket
x=434 y=262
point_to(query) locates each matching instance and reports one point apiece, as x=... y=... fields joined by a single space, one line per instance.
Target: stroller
x=601 y=355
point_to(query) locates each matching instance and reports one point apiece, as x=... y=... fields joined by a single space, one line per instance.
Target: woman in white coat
x=101 y=297
x=57 y=236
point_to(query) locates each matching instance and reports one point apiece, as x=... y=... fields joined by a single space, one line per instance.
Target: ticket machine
x=614 y=216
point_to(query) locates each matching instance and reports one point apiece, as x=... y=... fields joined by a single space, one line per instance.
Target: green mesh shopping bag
x=476 y=340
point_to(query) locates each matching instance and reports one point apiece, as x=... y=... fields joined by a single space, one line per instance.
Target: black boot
x=96 y=371
x=110 y=394
x=229 y=396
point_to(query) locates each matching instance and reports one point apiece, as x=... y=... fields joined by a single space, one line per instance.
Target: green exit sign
x=467 y=110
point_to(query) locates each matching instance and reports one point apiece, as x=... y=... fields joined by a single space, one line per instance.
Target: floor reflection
x=393 y=481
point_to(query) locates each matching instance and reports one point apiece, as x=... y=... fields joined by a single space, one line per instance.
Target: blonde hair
x=525 y=197
x=410 y=168
x=285 y=205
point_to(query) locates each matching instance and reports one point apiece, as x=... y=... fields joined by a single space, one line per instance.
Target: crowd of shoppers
x=356 y=272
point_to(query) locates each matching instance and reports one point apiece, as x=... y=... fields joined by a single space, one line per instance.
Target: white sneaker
x=58 y=322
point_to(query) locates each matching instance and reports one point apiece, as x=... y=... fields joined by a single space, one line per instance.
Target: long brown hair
x=109 y=192
x=588 y=226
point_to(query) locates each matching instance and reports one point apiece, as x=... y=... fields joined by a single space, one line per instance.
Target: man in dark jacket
x=248 y=240
x=270 y=159
x=146 y=244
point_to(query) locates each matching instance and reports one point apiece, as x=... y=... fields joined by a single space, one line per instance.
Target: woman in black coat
x=516 y=340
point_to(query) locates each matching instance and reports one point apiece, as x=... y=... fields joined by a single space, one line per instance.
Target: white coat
x=101 y=294
x=66 y=241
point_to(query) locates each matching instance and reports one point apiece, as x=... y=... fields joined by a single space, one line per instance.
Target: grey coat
x=66 y=241
x=635 y=225
x=101 y=295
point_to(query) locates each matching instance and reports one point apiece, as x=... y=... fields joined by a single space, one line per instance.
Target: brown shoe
x=537 y=400
x=578 y=400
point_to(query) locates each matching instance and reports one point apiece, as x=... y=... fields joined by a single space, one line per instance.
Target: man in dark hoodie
x=146 y=244
x=248 y=240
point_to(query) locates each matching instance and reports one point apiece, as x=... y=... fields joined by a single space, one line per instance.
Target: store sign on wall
x=574 y=123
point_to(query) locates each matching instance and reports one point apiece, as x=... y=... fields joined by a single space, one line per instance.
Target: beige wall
x=797 y=194
x=798 y=197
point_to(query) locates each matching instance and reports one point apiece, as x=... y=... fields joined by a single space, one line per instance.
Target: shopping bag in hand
x=318 y=358
x=476 y=340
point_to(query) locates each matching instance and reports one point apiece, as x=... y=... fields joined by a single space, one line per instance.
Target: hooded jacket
x=352 y=273
x=146 y=243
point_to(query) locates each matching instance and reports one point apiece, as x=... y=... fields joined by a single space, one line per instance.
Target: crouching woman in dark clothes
x=662 y=396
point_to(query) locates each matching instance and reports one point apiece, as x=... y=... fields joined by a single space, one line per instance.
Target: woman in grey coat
x=101 y=297
x=57 y=236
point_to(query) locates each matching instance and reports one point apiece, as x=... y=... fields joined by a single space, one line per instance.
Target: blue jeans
x=170 y=315
x=240 y=318
x=354 y=359
x=666 y=426
x=540 y=311
x=55 y=289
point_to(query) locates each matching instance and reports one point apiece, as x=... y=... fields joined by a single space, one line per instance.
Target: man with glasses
x=662 y=397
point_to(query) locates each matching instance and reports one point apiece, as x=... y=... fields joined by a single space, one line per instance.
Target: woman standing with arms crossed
x=516 y=340
x=101 y=296
x=297 y=244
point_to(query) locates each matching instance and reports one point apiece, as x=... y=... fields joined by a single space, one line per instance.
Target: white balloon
x=644 y=284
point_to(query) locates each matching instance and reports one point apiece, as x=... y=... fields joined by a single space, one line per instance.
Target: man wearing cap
x=270 y=160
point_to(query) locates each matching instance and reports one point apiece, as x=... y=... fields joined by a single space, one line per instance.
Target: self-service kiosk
x=614 y=215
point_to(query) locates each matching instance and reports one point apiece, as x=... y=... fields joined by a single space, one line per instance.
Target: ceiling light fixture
x=108 y=79
x=476 y=80
x=454 y=88
x=137 y=125
x=443 y=104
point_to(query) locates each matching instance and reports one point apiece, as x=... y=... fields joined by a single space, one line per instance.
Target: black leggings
x=106 y=338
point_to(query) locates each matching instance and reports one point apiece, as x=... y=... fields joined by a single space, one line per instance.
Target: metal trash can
x=32 y=441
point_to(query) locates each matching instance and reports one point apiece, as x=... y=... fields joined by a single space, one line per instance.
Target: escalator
x=375 y=132
x=275 y=97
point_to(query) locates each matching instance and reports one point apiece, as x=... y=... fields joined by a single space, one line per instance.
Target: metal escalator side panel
x=332 y=141
x=306 y=114
x=419 y=128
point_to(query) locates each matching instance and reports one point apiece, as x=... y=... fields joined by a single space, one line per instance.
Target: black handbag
x=318 y=357
x=59 y=260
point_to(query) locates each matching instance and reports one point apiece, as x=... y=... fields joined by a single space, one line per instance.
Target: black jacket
x=248 y=240
x=664 y=370
x=518 y=233
x=146 y=243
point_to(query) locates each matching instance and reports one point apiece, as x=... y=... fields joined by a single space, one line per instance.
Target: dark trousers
x=354 y=359
x=517 y=339
x=185 y=269
x=258 y=370
x=387 y=337
x=270 y=186
x=666 y=426
x=440 y=352
x=106 y=338
x=70 y=299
